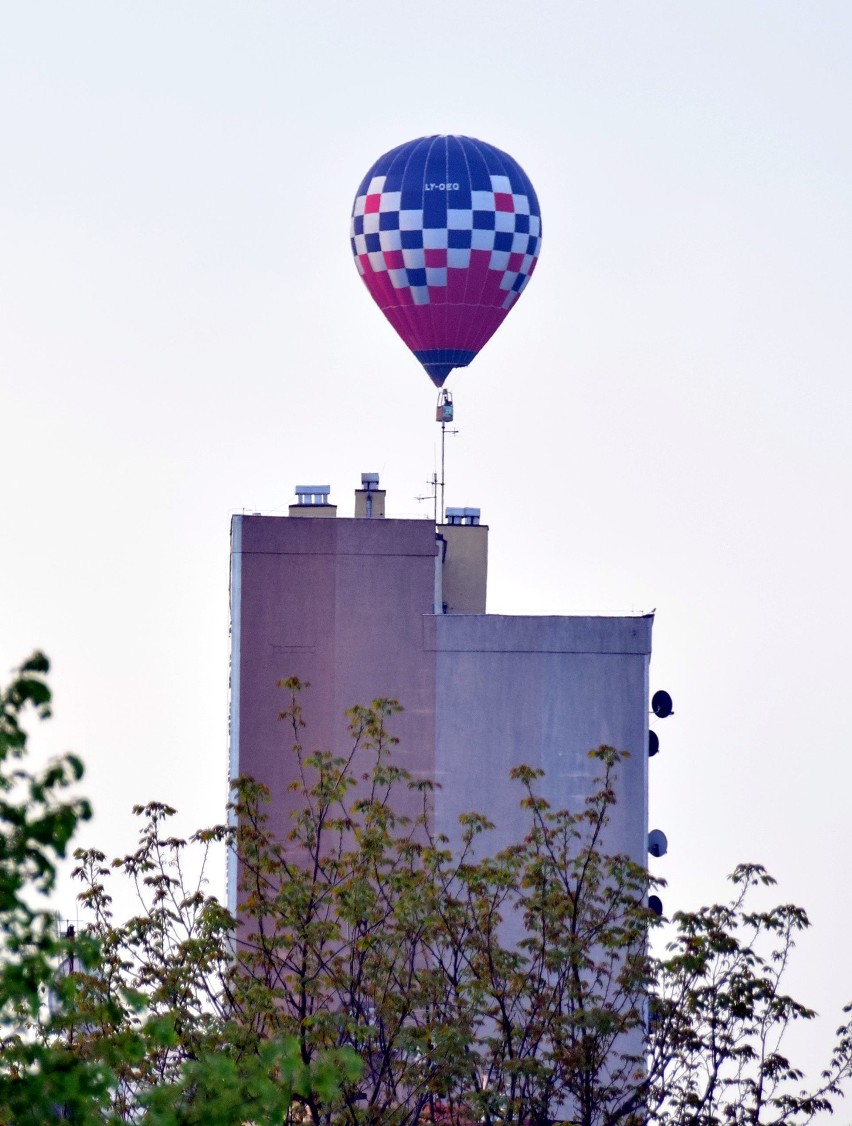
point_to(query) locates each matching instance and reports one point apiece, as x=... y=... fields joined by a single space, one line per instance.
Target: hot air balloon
x=446 y=232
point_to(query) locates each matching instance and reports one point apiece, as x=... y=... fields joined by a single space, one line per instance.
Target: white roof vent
x=468 y=516
x=312 y=494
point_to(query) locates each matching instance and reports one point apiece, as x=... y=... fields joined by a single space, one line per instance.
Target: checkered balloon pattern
x=446 y=232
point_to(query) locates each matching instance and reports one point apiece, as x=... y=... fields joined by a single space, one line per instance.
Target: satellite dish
x=653 y=744
x=658 y=844
x=655 y=904
x=661 y=705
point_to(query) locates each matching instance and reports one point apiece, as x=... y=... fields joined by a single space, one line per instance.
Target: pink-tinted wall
x=339 y=603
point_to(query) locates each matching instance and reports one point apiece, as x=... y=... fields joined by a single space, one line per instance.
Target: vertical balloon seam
x=420 y=318
x=501 y=164
x=428 y=340
x=408 y=310
x=385 y=295
x=534 y=208
x=458 y=315
x=394 y=309
x=370 y=274
x=463 y=337
x=444 y=312
x=533 y=198
x=474 y=324
x=426 y=321
x=494 y=166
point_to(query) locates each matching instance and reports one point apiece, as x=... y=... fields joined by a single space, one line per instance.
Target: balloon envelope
x=446 y=232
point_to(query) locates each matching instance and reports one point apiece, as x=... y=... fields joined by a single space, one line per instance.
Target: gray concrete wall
x=542 y=691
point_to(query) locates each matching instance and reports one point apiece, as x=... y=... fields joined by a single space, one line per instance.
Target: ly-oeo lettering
x=440 y=187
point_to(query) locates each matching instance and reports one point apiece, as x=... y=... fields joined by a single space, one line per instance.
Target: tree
x=720 y=1015
x=515 y=987
x=362 y=929
x=110 y=1046
x=37 y=822
x=518 y=986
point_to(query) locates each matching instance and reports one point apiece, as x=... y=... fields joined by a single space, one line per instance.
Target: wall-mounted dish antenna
x=653 y=744
x=658 y=844
x=661 y=705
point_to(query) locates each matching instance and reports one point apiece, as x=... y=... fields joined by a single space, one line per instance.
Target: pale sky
x=663 y=420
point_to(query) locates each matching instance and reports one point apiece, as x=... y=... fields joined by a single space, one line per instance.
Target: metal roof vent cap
x=312 y=494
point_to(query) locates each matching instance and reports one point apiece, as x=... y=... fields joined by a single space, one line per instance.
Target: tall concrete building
x=364 y=607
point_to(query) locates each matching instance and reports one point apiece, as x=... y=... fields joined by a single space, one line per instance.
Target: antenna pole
x=443 y=444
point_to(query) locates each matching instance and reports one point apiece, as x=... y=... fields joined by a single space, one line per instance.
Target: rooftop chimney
x=312 y=500
x=369 y=499
x=463 y=558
